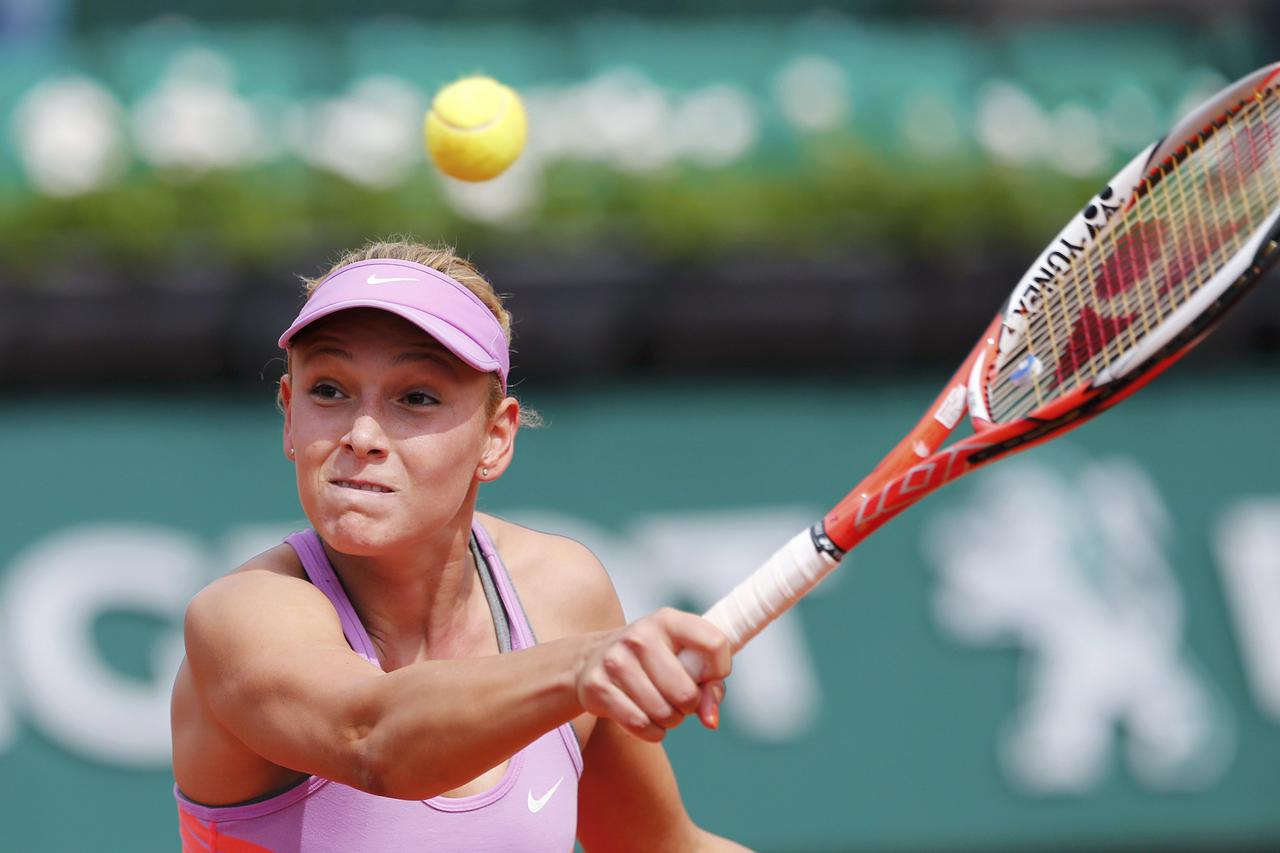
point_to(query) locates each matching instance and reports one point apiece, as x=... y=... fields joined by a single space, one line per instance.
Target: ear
x=286 y=396
x=500 y=442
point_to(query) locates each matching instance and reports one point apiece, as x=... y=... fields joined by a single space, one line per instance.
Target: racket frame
x=905 y=476
x=919 y=465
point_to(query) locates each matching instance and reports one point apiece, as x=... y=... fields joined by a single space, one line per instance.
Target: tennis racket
x=1132 y=283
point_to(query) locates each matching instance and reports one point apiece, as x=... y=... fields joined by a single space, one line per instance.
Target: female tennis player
x=409 y=674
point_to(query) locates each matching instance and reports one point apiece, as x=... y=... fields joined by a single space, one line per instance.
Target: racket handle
x=780 y=582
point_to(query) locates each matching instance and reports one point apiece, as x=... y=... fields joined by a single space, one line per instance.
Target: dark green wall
x=1115 y=568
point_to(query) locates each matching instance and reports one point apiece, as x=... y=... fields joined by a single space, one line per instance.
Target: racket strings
x=1209 y=226
x=1186 y=219
x=1197 y=248
x=1132 y=272
x=1128 y=282
x=1184 y=211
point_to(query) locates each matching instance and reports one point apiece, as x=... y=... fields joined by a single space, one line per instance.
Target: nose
x=366 y=438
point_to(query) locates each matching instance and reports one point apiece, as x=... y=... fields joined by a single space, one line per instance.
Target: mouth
x=363 y=486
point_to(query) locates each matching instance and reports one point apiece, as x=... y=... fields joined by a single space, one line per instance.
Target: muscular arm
x=269 y=660
x=628 y=798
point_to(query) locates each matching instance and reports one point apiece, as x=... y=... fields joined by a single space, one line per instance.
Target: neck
x=424 y=603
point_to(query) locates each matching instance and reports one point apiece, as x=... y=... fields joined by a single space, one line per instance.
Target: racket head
x=1143 y=272
x=1137 y=278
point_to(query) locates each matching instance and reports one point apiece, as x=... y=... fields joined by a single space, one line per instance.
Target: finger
x=624 y=712
x=668 y=675
x=603 y=698
x=633 y=676
x=705 y=639
x=709 y=704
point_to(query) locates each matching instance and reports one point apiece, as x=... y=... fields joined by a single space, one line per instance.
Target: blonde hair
x=446 y=260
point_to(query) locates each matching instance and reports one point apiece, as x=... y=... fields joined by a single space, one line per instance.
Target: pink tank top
x=533 y=808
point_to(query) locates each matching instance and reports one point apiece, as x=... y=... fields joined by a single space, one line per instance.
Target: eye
x=325 y=391
x=420 y=398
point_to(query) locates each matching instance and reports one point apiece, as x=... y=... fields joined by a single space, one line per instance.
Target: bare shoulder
x=563 y=586
x=267 y=597
x=252 y=637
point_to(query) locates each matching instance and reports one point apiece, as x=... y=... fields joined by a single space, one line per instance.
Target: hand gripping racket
x=1131 y=284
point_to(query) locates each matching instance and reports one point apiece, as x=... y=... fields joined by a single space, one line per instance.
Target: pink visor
x=428 y=298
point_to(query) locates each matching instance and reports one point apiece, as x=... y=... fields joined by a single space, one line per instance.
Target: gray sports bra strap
x=501 y=626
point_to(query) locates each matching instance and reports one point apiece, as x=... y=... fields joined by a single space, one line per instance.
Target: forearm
x=435 y=725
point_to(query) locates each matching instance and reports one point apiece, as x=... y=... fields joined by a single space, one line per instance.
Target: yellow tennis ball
x=475 y=128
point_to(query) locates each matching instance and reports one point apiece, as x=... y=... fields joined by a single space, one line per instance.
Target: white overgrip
x=780 y=582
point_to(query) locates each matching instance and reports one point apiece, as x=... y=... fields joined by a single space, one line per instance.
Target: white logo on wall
x=1247 y=545
x=54 y=676
x=53 y=594
x=1071 y=568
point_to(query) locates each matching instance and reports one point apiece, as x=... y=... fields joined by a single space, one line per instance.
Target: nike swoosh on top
x=373 y=279
x=536 y=804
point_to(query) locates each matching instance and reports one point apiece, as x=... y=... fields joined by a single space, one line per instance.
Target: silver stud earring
x=290 y=452
x=484 y=472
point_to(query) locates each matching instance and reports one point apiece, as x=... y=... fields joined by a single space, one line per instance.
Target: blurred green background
x=745 y=242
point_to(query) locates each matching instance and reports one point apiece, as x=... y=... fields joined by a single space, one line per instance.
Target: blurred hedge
x=841 y=196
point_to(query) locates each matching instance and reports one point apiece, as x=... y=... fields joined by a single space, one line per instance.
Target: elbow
x=387 y=770
x=373 y=769
x=374 y=754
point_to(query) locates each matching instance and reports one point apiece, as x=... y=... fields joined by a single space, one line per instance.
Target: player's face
x=388 y=430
